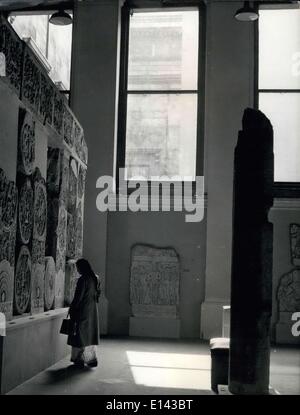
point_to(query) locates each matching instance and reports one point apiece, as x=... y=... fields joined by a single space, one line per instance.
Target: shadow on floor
x=65 y=373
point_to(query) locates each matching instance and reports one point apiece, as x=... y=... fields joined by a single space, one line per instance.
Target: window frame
x=123 y=91
x=280 y=189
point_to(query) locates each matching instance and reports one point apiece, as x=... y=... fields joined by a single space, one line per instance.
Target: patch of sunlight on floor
x=170 y=370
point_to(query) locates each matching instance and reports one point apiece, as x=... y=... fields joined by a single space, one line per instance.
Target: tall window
x=279 y=87
x=160 y=94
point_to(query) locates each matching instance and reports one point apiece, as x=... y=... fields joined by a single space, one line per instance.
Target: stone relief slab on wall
x=49 y=290
x=295 y=244
x=39 y=207
x=6 y=288
x=46 y=100
x=31 y=81
x=154 y=281
x=70 y=281
x=22 y=281
x=26 y=142
x=12 y=47
x=288 y=294
x=37 y=288
x=25 y=212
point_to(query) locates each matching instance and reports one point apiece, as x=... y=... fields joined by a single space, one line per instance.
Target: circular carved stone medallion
x=25 y=212
x=40 y=211
x=6 y=281
x=22 y=281
x=27 y=145
x=49 y=282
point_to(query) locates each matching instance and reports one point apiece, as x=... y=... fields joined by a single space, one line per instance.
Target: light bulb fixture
x=246 y=13
x=61 y=18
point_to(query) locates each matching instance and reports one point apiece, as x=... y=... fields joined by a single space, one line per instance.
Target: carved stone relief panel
x=68 y=124
x=58 y=112
x=49 y=291
x=59 y=288
x=8 y=219
x=73 y=181
x=40 y=207
x=154 y=283
x=26 y=143
x=288 y=294
x=25 y=212
x=6 y=288
x=295 y=243
x=70 y=281
x=31 y=81
x=37 y=288
x=71 y=236
x=81 y=181
x=46 y=100
x=22 y=281
x=12 y=47
x=79 y=231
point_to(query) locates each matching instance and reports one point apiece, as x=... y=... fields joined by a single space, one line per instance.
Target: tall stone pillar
x=251 y=283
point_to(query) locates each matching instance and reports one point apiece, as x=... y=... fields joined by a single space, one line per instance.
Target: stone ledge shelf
x=31 y=344
x=20 y=322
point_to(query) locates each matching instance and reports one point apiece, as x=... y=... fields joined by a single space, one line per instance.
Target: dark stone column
x=251 y=283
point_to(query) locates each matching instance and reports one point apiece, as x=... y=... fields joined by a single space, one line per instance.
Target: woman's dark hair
x=84 y=268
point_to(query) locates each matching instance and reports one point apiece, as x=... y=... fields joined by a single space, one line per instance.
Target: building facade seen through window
x=162 y=95
x=279 y=86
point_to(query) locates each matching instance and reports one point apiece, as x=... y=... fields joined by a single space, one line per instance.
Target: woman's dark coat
x=84 y=314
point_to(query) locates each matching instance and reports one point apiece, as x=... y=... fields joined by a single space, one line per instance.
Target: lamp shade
x=246 y=13
x=61 y=18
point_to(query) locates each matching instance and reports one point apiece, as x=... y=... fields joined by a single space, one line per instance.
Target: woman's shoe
x=93 y=363
x=79 y=364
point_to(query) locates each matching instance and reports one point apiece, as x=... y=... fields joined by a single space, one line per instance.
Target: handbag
x=67 y=326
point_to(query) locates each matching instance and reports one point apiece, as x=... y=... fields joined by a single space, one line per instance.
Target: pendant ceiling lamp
x=246 y=13
x=61 y=18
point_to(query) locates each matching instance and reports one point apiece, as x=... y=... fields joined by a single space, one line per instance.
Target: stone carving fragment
x=37 y=288
x=25 y=212
x=58 y=112
x=72 y=199
x=295 y=243
x=8 y=202
x=46 y=100
x=50 y=274
x=79 y=231
x=71 y=236
x=59 y=289
x=154 y=283
x=22 y=281
x=6 y=288
x=26 y=148
x=40 y=207
x=31 y=81
x=12 y=48
x=288 y=293
x=71 y=278
x=81 y=181
x=68 y=123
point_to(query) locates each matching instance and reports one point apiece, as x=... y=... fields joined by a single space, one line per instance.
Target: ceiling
x=52 y=4
x=21 y=4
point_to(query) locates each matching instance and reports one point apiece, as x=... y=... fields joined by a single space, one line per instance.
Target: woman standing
x=84 y=316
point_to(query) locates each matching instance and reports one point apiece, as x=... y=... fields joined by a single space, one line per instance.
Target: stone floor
x=130 y=366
